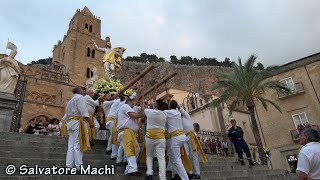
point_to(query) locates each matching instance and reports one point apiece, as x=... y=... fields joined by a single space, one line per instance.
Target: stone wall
x=189 y=78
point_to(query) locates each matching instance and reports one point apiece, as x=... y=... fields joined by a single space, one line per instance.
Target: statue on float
x=111 y=59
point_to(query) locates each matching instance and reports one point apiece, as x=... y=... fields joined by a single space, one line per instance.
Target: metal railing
x=298 y=89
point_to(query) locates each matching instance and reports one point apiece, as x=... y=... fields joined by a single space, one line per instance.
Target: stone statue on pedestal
x=9 y=71
x=90 y=82
x=226 y=115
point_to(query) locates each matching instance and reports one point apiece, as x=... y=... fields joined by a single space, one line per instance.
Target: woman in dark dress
x=31 y=127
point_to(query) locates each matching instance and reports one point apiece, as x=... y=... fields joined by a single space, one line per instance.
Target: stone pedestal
x=7 y=105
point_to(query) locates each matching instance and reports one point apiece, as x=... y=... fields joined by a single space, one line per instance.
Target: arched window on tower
x=90 y=28
x=88 y=73
x=88 y=52
x=93 y=53
x=87 y=27
x=91 y=74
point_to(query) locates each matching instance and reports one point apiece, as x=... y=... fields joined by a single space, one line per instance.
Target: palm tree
x=244 y=86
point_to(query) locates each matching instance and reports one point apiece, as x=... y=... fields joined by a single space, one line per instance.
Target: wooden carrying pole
x=137 y=78
x=164 y=80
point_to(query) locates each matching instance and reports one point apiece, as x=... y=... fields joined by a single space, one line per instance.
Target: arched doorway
x=39 y=118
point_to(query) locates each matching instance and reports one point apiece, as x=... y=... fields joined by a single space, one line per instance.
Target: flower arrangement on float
x=102 y=86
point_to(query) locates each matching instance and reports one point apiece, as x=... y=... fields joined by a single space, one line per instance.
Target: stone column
x=7 y=105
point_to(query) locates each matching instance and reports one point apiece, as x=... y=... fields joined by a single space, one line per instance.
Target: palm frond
x=263 y=102
x=235 y=103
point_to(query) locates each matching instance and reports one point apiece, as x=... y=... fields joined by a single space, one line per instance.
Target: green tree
x=245 y=86
x=260 y=66
x=174 y=59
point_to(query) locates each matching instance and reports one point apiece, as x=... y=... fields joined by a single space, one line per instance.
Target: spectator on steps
x=42 y=126
x=53 y=127
x=31 y=127
x=224 y=146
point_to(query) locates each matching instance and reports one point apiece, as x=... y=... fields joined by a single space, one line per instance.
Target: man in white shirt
x=191 y=145
x=155 y=139
x=112 y=126
x=91 y=105
x=121 y=159
x=176 y=133
x=309 y=156
x=128 y=128
x=77 y=116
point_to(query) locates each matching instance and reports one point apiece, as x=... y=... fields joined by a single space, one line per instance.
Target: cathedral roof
x=86 y=11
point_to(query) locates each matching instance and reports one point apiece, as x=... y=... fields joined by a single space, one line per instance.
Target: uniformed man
x=235 y=134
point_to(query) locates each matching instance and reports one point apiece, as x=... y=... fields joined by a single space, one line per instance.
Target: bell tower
x=77 y=52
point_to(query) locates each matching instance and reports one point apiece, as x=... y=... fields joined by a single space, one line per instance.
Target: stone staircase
x=45 y=151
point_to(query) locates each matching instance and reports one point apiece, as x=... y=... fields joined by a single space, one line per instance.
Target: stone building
x=49 y=87
x=279 y=130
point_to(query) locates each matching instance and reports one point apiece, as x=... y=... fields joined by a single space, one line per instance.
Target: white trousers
x=120 y=155
x=176 y=143
x=132 y=160
x=109 y=126
x=194 y=156
x=158 y=147
x=74 y=155
x=168 y=146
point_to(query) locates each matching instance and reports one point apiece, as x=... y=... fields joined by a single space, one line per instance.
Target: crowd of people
x=42 y=127
x=136 y=133
x=215 y=146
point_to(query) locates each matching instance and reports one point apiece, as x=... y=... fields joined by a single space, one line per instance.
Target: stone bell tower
x=76 y=52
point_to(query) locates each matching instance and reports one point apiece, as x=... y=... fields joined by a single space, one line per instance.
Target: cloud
x=278 y=31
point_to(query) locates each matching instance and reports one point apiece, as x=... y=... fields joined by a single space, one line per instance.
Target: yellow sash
x=92 y=131
x=185 y=159
x=129 y=142
x=63 y=130
x=83 y=134
x=196 y=145
x=176 y=133
x=109 y=119
x=155 y=133
x=184 y=156
x=115 y=132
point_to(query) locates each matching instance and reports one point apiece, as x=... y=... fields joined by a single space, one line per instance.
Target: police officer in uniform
x=235 y=134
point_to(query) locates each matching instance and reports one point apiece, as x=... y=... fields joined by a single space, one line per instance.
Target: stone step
x=87 y=160
x=265 y=176
x=41 y=155
x=204 y=168
x=259 y=177
x=76 y=177
x=204 y=174
x=49 y=149
x=44 y=143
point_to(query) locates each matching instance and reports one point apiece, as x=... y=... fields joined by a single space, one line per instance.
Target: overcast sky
x=278 y=31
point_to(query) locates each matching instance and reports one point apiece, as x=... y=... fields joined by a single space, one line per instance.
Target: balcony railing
x=298 y=89
x=295 y=133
